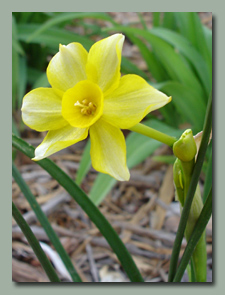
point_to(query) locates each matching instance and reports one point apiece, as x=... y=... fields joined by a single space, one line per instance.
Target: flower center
x=86 y=107
x=82 y=105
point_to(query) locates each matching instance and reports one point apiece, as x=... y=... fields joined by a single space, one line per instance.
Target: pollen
x=86 y=107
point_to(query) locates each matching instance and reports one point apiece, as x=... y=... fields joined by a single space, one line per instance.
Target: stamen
x=79 y=104
x=92 y=106
x=87 y=108
x=85 y=102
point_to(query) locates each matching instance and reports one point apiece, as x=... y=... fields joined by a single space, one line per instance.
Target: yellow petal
x=108 y=150
x=57 y=140
x=104 y=59
x=131 y=102
x=67 y=67
x=42 y=110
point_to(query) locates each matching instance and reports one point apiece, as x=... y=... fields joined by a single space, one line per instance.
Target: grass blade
x=187 y=103
x=85 y=163
x=66 y=17
x=196 y=59
x=191 y=27
x=196 y=234
x=173 y=62
x=45 y=224
x=88 y=206
x=156 y=19
x=47 y=266
x=22 y=80
x=51 y=37
x=208 y=178
x=152 y=62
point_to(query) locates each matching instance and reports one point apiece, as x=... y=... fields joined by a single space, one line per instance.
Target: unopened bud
x=185 y=148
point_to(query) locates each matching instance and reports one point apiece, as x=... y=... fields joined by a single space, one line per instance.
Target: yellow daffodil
x=87 y=94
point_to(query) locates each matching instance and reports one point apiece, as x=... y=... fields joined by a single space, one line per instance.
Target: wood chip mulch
x=142 y=211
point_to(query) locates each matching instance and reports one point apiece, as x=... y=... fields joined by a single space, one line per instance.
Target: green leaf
x=156 y=19
x=35 y=245
x=139 y=148
x=51 y=37
x=173 y=61
x=191 y=191
x=208 y=37
x=65 y=17
x=142 y=21
x=191 y=27
x=87 y=205
x=42 y=81
x=15 y=44
x=157 y=71
x=15 y=76
x=195 y=236
x=169 y=21
x=187 y=103
x=45 y=224
x=196 y=59
x=127 y=67
x=208 y=178
x=14 y=128
x=85 y=163
x=22 y=80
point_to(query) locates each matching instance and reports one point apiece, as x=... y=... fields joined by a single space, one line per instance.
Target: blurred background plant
x=177 y=55
x=174 y=52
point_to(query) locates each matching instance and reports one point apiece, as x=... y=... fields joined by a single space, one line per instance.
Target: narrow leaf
x=191 y=191
x=208 y=178
x=195 y=236
x=173 y=62
x=45 y=224
x=196 y=59
x=85 y=163
x=35 y=245
x=87 y=205
x=187 y=102
x=67 y=16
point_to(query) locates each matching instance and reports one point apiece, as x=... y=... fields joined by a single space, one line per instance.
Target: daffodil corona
x=88 y=95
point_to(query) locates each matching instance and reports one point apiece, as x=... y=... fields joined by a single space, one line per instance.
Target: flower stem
x=191 y=191
x=155 y=134
x=196 y=234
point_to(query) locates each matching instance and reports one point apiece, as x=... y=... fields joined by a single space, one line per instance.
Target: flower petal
x=104 y=59
x=131 y=102
x=67 y=67
x=42 y=110
x=57 y=140
x=108 y=150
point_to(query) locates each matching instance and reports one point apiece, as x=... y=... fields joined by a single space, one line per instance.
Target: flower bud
x=185 y=148
x=178 y=181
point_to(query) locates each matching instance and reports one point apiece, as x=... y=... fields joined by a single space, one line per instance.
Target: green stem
x=198 y=261
x=195 y=236
x=152 y=133
x=45 y=223
x=191 y=191
x=88 y=206
x=35 y=245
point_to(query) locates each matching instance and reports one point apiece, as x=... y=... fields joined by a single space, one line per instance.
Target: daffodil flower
x=88 y=95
